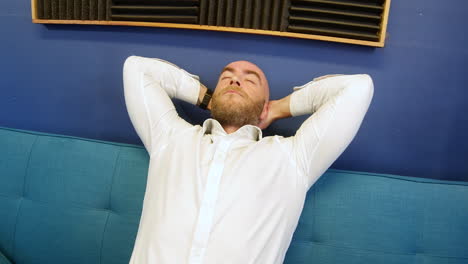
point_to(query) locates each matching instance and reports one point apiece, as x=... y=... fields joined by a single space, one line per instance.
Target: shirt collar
x=213 y=127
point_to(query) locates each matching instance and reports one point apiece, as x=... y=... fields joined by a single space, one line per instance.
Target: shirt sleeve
x=149 y=85
x=338 y=105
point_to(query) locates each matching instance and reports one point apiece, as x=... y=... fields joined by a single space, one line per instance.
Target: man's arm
x=149 y=85
x=338 y=105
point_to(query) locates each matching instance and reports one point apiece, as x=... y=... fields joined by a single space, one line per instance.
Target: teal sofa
x=66 y=200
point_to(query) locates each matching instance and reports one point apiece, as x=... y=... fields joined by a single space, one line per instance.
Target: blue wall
x=67 y=80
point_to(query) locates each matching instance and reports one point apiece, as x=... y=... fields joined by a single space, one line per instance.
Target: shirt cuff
x=189 y=88
x=298 y=104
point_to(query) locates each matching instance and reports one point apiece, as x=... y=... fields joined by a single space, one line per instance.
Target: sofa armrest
x=3 y=259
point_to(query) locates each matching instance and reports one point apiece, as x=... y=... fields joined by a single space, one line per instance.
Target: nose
x=234 y=81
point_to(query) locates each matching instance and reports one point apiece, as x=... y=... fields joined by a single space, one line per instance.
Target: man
x=222 y=193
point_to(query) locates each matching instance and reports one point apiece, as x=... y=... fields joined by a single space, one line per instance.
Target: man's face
x=241 y=95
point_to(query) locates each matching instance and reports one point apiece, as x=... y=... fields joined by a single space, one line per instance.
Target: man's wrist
x=280 y=108
x=204 y=97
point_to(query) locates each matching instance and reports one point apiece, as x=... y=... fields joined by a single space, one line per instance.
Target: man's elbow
x=365 y=84
x=130 y=63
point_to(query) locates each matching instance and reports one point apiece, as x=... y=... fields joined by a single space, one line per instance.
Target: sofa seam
x=102 y=240
x=37 y=133
x=113 y=178
x=314 y=204
x=13 y=251
x=399 y=177
x=422 y=230
x=73 y=205
x=109 y=204
x=372 y=250
x=29 y=163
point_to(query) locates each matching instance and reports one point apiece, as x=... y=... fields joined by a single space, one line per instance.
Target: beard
x=231 y=111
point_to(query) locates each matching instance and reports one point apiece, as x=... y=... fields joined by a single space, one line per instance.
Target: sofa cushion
x=69 y=200
x=357 y=217
x=3 y=259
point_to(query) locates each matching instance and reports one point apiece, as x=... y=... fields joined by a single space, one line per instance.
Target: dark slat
x=220 y=13
x=256 y=14
x=333 y=12
x=108 y=9
x=92 y=9
x=365 y=5
x=238 y=14
x=69 y=9
x=333 y=22
x=229 y=13
x=96 y=9
x=85 y=9
x=284 y=15
x=47 y=9
x=158 y=2
x=77 y=9
x=40 y=9
x=157 y=18
x=102 y=9
x=165 y=9
x=54 y=9
x=266 y=14
x=332 y=32
x=203 y=12
x=62 y=9
x=212 y=13
x=247 y=14
x=275 y=19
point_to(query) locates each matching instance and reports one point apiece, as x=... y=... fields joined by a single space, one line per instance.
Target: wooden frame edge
x=33 y=9
x=383 y=34
x=211 y=28
x=378 y=44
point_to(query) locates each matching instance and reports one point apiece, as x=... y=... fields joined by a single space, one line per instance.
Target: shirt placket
x=207 y=208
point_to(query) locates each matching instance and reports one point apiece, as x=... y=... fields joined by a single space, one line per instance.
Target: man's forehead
x=245 y=66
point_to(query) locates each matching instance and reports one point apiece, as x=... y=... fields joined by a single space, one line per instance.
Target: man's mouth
x=233 y=91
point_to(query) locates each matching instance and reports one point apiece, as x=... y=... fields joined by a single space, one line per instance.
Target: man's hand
x=276 y=109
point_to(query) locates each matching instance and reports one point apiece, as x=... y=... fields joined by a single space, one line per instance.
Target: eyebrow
x=229 y=69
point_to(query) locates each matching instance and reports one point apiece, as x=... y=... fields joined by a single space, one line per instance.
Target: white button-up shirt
x=213 y=197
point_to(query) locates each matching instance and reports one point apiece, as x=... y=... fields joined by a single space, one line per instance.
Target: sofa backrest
x=355 y=218
x=71 y=200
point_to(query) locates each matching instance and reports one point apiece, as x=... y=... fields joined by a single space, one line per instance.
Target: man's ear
x=265 y=118
x=264 y=114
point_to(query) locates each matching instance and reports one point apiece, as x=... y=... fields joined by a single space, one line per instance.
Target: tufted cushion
x=355 y=218
x=69 y=200
x=3 y=259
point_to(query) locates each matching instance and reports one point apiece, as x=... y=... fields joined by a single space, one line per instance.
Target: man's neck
x=230 y=129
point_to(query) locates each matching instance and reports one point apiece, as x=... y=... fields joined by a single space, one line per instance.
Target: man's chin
x=229 y=97
x=232 y=101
